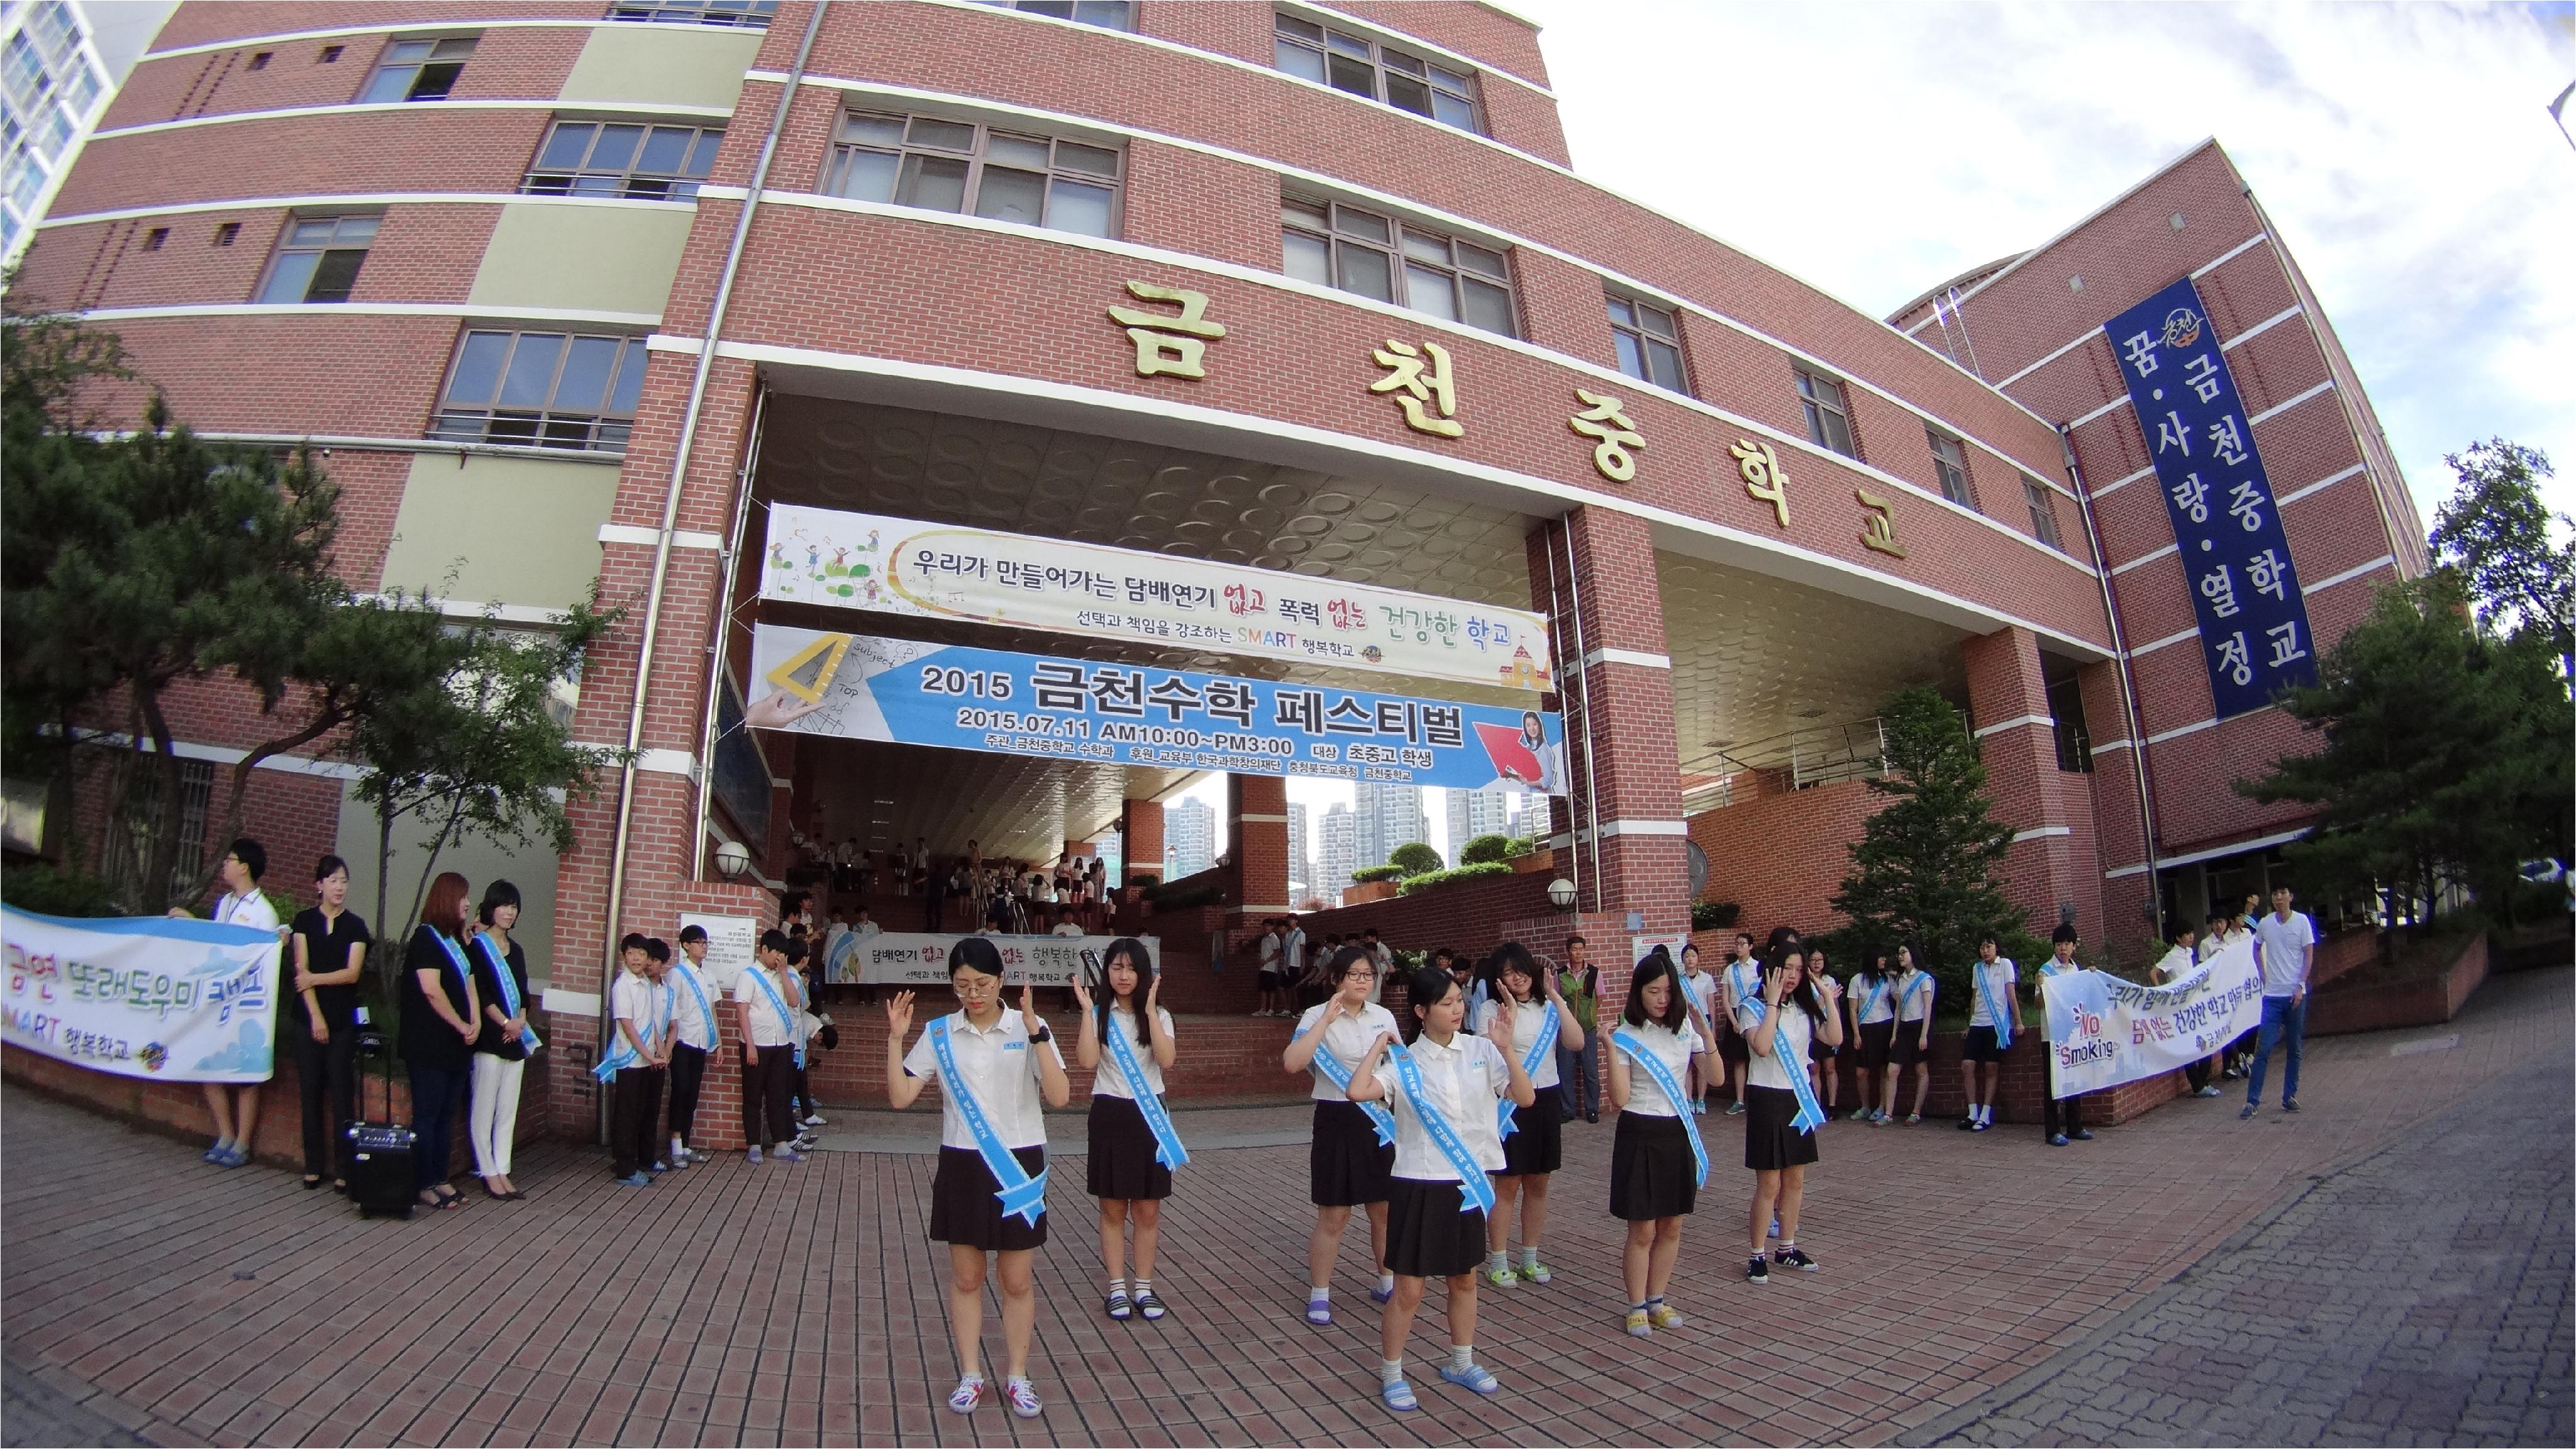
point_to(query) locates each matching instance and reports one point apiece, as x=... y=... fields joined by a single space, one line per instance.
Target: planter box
x=1369 y=890
x=2368 y=999
x=1535 y=862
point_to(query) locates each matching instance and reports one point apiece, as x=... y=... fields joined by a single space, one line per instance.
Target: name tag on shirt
x=1015 y=1046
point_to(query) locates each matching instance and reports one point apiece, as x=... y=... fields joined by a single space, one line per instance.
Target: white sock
x=1144 y=1286
x=1389 y=1370
x=1117 y=1286
x=1386 y=1282
x=225 y=1144
x=1462 y=1356
x=1497 y=1260
x=679 y=1149
x=1986 y=1114
x=1319 y=1295
x=1529 y=1255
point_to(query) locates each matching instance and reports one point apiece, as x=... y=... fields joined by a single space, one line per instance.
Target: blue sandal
x=1399 y=1397
x=1120 y=1306
x=1472 y=1378
x=1319 y=1311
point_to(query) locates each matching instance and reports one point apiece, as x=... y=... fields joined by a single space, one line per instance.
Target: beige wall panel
x=513 y=530
x=687 y=65
x=583 y=258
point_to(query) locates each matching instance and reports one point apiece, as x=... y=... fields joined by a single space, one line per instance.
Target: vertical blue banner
x=2236 y=555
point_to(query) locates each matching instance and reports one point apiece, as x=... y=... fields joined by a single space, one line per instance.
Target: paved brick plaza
x=800 y=1303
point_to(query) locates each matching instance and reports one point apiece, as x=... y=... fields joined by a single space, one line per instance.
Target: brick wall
x=1782 y=856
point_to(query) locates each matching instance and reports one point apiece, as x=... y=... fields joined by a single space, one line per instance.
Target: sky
x=2406 y=154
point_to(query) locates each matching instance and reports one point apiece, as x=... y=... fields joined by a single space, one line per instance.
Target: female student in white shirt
x=1448 y=1131
x=1657 y=1161
x=1347 y=1166
x=1536 y=1147
x=1793 y=1010
x=1124 y=1172
x=1872 y=998
x=1992 y=979
x=1912 y=1044
x=1700 y=993
x=1008 y=1063
x=235 y=1108
x=1824 y=1068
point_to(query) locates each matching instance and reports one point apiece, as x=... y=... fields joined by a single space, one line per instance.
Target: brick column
x=1140 y=838
x=1256 y=823
x=2125 y=891
x=2016 y=737
x=1622 y=764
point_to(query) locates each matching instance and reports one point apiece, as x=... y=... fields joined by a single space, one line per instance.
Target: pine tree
x=1923 y=871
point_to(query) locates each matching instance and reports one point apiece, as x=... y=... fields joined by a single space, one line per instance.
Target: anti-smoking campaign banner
x=142 y=996
x=841 y=560
x=912 y=958
x=860 y=687
x=2103 y=1031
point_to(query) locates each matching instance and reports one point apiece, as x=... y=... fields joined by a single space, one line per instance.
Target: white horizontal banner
x=927 y=570
x=143 y=996
x=912 y=958
x=2103 y=1031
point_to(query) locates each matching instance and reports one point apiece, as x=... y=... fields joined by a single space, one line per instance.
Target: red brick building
x=573 y=291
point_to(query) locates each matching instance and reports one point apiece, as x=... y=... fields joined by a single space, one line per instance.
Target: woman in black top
x=501 y=1048
x=438 y=1033
x=330 y=945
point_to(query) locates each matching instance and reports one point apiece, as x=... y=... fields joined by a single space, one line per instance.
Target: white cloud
x=2404 y=153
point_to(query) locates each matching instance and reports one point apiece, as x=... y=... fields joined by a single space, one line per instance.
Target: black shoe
x=1967 y=1124
x=1981 y=1125
x=2247 y=1114
x=2083 y=1134
x=1793 y=1258
x=2057 y=1139
x=2289 y=1104
x=1758 y=1270
x=1592 y=1117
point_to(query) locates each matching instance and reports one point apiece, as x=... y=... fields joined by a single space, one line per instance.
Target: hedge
x=1430 y=878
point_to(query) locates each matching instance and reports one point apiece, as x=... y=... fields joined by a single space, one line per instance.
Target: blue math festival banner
x=142 y=996
x=2103 y=1031
x=865 y=688
x=2244 y=589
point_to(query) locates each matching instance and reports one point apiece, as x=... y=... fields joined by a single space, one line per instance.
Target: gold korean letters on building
x=1416 y=377
x=1603 y=421
x=1763 y=479
x=1878 y=524
x=1167 y=345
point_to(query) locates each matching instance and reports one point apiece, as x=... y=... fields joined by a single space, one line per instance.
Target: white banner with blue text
x=2103 y=1031
x=142 y=996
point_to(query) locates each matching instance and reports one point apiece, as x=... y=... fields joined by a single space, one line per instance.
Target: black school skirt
x=1346 y=1166
x=1771 y=1140
x=964 y=1210
x=1980 y=1045
x=1875 y=1038
x=1652 y=1172
x=1428 y=1235
x=1537 y=1143
x=1122 y=1163
x=1909 y=1047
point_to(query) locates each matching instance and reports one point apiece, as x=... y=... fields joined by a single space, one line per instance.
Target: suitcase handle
x=373 y=1043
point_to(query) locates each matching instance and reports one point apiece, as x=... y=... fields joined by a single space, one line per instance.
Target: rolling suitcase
x=380 y=1153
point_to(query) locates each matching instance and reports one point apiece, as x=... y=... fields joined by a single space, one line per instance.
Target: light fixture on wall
x=733 y=858
x=1560 y=893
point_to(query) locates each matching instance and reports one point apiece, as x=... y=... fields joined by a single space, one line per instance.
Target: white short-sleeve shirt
x=1999 y=976
x=1871 y=1009
x=632 y=999
x=1703 y=994
x=1789 y=1043
x=2286 y=945
x=1000 y=1066
x=1348 y=1039
x=1526 y=1024
x=1673 y=1049
x=254 y=910
x=689 y=1026
x=1108 y=1081
x=1742 y=979
x=1914 y=992
x=1461 y=1082
x=767 y=1030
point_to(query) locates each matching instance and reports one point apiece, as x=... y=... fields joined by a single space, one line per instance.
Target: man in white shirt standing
x=235 y=1108
x=2286 y=943
x=766 y=1002
x=1292 y=956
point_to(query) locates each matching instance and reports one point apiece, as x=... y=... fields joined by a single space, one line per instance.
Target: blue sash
x=1810 y=1116
x=1663 y=1077
x=1994 y=1007
x=778 y=1003
x=455 y=958
x=1475 y=1190
x=509 y=992
x=1340 y=1076
x=619 y=1055
x=1020 y=1193
x=1540 y=1046
x=1167 y=1141
x=706 y=1013
x=1922 y=983
x=1877 y=997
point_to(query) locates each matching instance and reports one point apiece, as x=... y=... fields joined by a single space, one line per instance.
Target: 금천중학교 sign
x=1034 y=706
x=2244 y=589
x=900 y=566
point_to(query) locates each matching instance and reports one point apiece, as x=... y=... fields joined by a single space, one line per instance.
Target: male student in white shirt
x=694 y=1037
x=235 y=1107
x=635 y=1003
x=2286 y=942
x=768 y=1049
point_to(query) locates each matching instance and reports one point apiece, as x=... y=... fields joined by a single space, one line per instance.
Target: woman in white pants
x=501 y=1052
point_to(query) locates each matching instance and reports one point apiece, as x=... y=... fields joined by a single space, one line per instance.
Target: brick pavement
x=801 y=1304
x=2420 y=1295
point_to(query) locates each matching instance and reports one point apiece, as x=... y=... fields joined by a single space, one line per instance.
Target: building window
x=259 y=60
x=1649 y=343
x=2043 y=512
x=2074 y=741
x=153 y=239
x=962 y=167
x=1828 y=418
x=418 y=70
x=1107 y=14
x=595 y=158
x=1357 y=64
x=330 y=55
x=756 y=13
x=543 y=390
x=1950 y=466
x=318 y=259
x=1333 y=245
x=227 y=234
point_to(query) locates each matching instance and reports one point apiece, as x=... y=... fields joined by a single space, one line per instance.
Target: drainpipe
x=2132 y=716
x=1573 y=822
x=719 y=637
x=670 y=524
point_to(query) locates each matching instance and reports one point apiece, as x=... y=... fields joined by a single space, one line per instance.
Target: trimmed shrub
x=1430 y=878
x=1485 y=848
x=1413 y=858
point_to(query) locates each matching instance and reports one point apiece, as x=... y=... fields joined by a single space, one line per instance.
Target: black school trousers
x=688 y=1078
x=2054 y=1110
x=633 y=1115
x=766 y=1086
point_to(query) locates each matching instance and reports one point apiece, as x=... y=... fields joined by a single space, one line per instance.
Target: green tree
x=1485 y=848
x=133 y=563
x=1414 y=858
x=2495 y=531
x=2445 y=755
x=480 y=744
x=1924 y=868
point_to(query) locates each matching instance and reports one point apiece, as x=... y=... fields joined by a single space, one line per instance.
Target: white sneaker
x=814 y=1121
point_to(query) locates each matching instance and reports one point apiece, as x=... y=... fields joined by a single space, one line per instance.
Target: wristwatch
x=1042 y=1034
